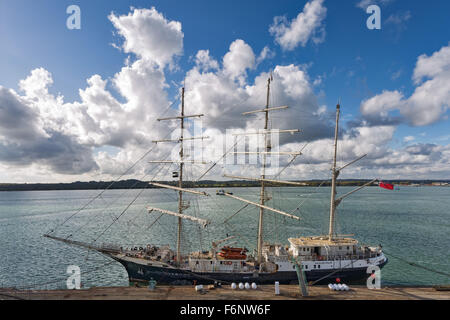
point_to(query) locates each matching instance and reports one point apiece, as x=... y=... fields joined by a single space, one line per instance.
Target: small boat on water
x=222 y=192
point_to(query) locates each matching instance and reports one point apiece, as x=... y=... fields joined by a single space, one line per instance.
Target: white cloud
x=205 y=62
x=396 y=75
x=430 y=100
x=238 y=60
x=266 y=53
x=397 y=23
x=18 y=122
x=409 y=138
x=363 y=4
x=398 y=19
x=27 y=138
x=45 y=138
x=354 y=143
x=431 y=67
x=315 y=162
x=418 y=161
x=307 y=25
x=318 y=81
x=150 y=35
x=222 y=99
x=51 y=134
x=381 y=104
x=36 y=84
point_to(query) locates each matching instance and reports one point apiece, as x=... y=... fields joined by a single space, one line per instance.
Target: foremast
x=180 y=189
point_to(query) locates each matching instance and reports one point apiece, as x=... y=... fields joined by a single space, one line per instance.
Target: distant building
x=440 y=184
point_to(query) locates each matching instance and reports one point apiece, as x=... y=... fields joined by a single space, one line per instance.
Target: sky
x=82 y=104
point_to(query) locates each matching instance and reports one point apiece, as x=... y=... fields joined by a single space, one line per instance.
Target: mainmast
x=180 y=181
x=263 y=176
x=267 y=151
x=335 y=173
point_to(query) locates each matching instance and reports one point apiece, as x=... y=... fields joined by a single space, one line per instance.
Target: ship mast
x=180 y=181
x=267 y=151
x=179 y=188
x=263 y=176
x=335 y=173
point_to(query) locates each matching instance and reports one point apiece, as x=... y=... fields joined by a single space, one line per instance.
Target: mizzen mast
x=335 y=174
x=335 y=171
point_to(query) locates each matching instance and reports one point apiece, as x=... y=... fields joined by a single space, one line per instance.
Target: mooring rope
x=417 y=265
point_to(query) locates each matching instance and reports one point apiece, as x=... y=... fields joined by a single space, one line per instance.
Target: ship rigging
x=320 y=257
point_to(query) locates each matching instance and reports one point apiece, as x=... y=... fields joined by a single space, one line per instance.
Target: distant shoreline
x=136 y=184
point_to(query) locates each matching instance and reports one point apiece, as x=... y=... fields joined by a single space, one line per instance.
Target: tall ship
x=319 y=259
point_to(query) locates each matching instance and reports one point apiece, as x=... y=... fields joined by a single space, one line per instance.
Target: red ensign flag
x=386 y=186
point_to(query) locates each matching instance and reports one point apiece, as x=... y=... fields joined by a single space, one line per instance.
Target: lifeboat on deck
x=233 y=253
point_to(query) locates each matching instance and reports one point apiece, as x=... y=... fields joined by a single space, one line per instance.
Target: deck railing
x=363 y=256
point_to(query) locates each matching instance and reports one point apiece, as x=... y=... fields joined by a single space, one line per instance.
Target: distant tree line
x=137 y=184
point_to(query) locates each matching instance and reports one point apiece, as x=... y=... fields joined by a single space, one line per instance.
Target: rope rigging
x=187 y=238
x=112 y=183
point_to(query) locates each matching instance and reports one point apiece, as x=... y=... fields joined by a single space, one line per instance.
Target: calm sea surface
x=412 y=223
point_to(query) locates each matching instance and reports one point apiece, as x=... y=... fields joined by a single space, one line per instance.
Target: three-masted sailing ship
x=320 y=258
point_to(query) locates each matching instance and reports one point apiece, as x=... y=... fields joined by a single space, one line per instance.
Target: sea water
x=412 y=223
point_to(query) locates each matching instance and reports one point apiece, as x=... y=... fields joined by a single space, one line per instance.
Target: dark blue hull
x=144 y=273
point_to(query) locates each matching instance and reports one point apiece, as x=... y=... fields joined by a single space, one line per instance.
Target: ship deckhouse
x=322 y=247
